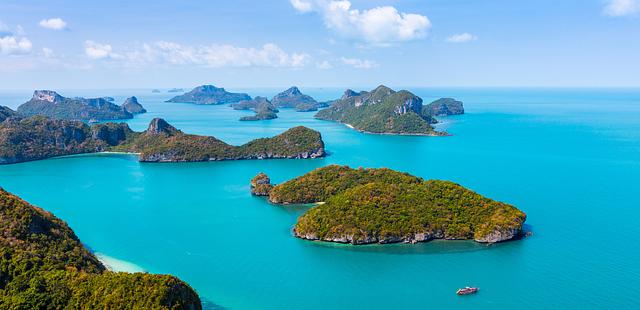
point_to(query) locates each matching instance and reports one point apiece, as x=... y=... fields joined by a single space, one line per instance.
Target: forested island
x=384 y=110
x=293 y=98
x=43 y=265
x=51 y=104
x=262 y=106
x=38 y=137
x=361 y=206
x=209 y=94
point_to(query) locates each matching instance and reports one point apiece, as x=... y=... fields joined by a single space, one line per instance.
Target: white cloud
x=462 y=38
x=96 y=50
x=171 y=53
x=47 y=52
x=11 y=45
x=301 y=5
x=622 y=7
x=377 y=26
x=53 y=23
x=359 y=63
x=324 y=65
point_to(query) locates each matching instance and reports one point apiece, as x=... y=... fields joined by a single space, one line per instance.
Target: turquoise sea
x=569 y=158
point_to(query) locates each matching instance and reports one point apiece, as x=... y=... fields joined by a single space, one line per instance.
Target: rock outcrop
x=261 y=185
x=132 y=106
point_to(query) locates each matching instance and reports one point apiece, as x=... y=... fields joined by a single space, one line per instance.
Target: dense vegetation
x=443 y=107
x=261 y=185
x=51 y=104
x=40 y=137
x=381 y=205
x=43 y=265
x=209 y=94
x=262 y=106
x=6 y=112
x=382 y=110
x=293 y=98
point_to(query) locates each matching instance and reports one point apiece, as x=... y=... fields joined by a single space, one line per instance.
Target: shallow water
x=569 y=158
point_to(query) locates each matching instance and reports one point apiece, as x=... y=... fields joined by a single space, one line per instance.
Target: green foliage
x=40 y=137
x=43 y=265
x=6 y=112
x=73 y=108
x=209 y=94
x=381 y=111
x=443 y=107
x=382 y=205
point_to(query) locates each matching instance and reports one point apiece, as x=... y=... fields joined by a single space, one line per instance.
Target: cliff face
x=51 y=104
x=384 y=206
x=43 y=265
x=209 y=94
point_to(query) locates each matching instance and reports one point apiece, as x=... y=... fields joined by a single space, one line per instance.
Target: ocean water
x=569 y=158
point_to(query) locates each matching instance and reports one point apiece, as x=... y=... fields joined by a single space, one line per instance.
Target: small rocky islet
x=43 y=265
x=363 y=206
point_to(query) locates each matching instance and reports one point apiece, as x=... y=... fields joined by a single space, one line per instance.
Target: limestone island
x=262 y=106
x=132 y=106
x=34 y=138
x=50 y=104
x=176 y=90
x=386 y=111
x=362 y=206
x=209 y=95
x=45 y=266
x=293 y=98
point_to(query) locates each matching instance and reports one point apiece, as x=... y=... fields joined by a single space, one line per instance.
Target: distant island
x=38 y=137
x=384 y=110
x=176 y=90
x=262 y=106
x=51 y=104
x=293 y=98
x=155 y=91
x=45 y=266
x=132 y=106
x=361 y=206
x=443 y=107
x=209 y=94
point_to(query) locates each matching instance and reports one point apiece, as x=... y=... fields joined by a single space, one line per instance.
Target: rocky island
x=132 y=106
x=45 y=266
x=51 y=104
x=209 y=94
x=361 y=206
x=293 y=98
x=33 y=138
x=384 y=110
x=262 y=106
x=443 y=107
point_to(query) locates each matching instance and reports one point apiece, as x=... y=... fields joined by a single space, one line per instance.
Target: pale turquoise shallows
x=569 y=158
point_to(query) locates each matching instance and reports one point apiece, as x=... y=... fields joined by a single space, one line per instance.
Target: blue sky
x=64 y=44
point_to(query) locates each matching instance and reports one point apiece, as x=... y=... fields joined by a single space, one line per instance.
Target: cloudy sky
x=358 y=43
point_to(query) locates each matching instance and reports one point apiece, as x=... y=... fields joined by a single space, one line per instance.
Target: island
x=385 y=111
x=262 y=106
x=176 y=90
x=293 y=98
x=51 y=104
x=38 y=137
x=155 y=91
x=261 y=185
x=443 y=107
x=45 y=266
x=362 y=206
x=132 y=106
x=209 y=95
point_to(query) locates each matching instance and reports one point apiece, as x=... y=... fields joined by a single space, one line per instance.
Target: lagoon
x=569 y=158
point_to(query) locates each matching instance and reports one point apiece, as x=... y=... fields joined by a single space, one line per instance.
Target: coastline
x=435 y=134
